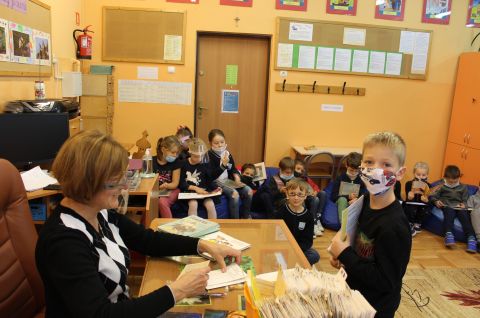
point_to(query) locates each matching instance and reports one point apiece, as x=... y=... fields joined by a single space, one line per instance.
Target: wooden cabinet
x=463 y=146
x=96 y=103
x=75 y=125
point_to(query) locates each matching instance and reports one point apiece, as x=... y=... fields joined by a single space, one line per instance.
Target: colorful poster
x=230 y=101
x=435 y=11
x=21 y=46
x=4 y=41
x=41 y=41
x=473 y=16
x=185 y=1
x=238 y=3
x=296 y=5
x=347 y=7
x=19 y=5
x=390 y=10
x=231 y=74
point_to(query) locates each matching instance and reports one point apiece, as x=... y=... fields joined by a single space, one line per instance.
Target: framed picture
x=473 y=15
x=296 y=5
x=436 y=11
x=347 y=7
x=238 y=3
x=42 y=47
x=185 y=1
x=4 y=41
x=390 y=10
x=21 y=47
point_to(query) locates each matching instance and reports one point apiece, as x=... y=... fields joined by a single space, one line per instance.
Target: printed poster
x=300 y=31
x=4 y=41
x=21 y=46
x=284 y=55
x=230 y=100
x=172 y=50
x=43 y=47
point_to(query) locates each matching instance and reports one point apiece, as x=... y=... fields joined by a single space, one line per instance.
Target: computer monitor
x=31 y=139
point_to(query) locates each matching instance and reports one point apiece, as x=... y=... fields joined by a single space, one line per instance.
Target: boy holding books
x=298 y=219
x=378 y=260
x=351 y=179
x=452 y=199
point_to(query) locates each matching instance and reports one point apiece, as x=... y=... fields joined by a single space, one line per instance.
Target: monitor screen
x=31 y=139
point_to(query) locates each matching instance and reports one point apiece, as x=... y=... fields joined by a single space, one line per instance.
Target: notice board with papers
x=349 y=48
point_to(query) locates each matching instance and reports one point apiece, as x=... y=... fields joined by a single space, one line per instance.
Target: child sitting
x=248 y=173
x=183 y=134
x=316 y=199
x=416 y=205
x=298 y=219
x=220 y=158
x=343 y=200
x=168 y=167
x=196 y=176
x=474 y=203
x=452 y=199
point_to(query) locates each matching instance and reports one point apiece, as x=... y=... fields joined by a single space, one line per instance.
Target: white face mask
x=219 y=151
x=451 y=185
x=377 y=181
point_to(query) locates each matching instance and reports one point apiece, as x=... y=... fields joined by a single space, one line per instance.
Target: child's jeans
x=312 y=256
x=316 y=204
x=245 y=194
x=449 y=215
x=164 y=203
x=416 y=213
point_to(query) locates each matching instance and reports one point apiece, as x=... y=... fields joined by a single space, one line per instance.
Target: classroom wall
x=418 y=110
x=63 y=24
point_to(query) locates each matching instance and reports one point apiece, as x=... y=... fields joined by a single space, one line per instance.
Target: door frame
x=267 y=83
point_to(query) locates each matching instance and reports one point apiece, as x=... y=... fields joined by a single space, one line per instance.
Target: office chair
x=320 y=167
x=22 y=293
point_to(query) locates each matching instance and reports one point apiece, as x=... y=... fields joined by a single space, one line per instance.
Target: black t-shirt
x=300 y=224
x=165 y=171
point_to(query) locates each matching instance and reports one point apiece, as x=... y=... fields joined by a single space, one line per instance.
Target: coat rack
x=320 y=89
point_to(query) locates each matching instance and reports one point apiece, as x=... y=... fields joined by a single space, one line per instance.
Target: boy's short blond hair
x=389 y=139
x=421 y=165
x=297 y=183
x=87 y=161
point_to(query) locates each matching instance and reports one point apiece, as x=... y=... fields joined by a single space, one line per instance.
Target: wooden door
x=244 y=130
x=466 y=102
x=454 y=155
x=471 y=172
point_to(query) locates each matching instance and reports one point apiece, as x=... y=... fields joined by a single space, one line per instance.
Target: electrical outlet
x=283 y=73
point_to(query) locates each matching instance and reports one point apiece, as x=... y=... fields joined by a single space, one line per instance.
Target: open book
x=347 y=188
x=260 y=172
x=350 y=220
x=194 y=195
x=229 y=183
x=224 y=239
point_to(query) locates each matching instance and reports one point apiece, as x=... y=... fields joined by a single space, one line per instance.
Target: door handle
x=468 y=139
x=200 y=109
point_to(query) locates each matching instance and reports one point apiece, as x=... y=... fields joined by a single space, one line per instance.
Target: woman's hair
x=86 y=161
x=215 y=132
x=168 y=142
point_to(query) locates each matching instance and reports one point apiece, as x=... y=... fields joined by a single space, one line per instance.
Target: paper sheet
x=230 y=101
x=406 y=42
x=172 y=49
x=343 y=59
x=377 y=62
x=354 y=36
x=300 y=31
x=350 y=220
x=284 y=55
x=420 y=53
x=140 y=91
x=145 y=72
x=231 y=74
x=393 y=65
x=325 y=58
x=192 y=267
x=306 y=57
x=233 y=275
x=360 y=61
x=36 y=178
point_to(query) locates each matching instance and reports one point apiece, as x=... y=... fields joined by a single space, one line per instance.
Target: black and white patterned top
x=85 y=271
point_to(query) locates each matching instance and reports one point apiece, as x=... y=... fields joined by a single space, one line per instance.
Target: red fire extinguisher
x=84 y=44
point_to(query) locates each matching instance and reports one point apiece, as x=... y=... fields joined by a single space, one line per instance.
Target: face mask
x=352 y=175
x=219 y=151
x=122 y=201
x=420 y=179
x=377 y=181
x=298 y=174
x=170 y=158
x=286 y=178
x=451 y=185
x=246 y=179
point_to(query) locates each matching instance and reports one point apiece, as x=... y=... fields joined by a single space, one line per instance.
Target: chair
x=320 y=166
x=341 y=166
x=22 y=293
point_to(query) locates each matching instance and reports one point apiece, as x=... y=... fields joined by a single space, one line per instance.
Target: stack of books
x=193 y=226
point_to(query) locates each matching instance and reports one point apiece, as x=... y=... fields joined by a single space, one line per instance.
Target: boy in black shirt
x=298 y=219
x=416 y=204
x=377 y=262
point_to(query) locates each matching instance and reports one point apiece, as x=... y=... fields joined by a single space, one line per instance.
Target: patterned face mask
x=377 y=181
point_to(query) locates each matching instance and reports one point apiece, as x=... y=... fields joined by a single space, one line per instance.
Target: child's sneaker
x=317 y=231
x=449 y=239
x=471 y=245
x=320 y=226
x=417 y=227
x=412 y=230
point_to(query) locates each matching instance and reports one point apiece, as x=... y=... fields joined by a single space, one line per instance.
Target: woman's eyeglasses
x=122 y=184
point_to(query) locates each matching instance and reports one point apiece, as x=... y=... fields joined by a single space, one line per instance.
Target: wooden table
x=271 y=242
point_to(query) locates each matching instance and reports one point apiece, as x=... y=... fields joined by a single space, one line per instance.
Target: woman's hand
x=191 y=284
x=337 y=246
x=219 y=252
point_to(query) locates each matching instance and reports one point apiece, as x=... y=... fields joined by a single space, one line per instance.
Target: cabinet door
x=471 y=171
x=466 y=102
x=454 y=155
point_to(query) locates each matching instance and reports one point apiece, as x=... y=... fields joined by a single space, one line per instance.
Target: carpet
x=440 y=293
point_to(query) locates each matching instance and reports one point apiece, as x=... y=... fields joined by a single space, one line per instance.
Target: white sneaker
x=317 y=231
x=319 y=224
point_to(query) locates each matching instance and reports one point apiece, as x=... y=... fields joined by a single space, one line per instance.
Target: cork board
x=327 y=36
x=143 y=35
x=36 y=17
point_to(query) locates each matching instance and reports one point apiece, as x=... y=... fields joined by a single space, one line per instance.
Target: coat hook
x=283 y=86
x=328 y=90
x=298 y=88
x=343 y=89
x=474 y=100
x=313 y=87
x=358 y=91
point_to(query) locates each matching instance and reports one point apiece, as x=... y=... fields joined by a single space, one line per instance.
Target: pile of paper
x=233 y=275
x=193 y=226
x=36 y=179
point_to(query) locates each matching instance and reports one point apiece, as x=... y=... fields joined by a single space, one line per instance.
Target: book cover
x=193 y=226
x=260 y=172
x=346 y=188
x=224 y=239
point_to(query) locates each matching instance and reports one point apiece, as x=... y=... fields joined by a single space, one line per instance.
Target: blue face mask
x=286 y=178
x=170 y=158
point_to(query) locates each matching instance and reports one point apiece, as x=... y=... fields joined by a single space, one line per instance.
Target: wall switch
x=171 y=69
x=283 y=73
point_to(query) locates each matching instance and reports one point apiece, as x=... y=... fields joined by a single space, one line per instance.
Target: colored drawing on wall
x=238 y=3
x=473 y=15
x=297 y=5
x=4 y=41
x=19 y=5
x=436 y=11
x=185 y=1
x=390 y=10
x=21 y=44
x=5 y=3
x=347 y=7
x=41 y=41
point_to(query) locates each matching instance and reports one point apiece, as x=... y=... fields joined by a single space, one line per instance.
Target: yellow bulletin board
x=348 y=48
x=143 y=35
x=36 y=17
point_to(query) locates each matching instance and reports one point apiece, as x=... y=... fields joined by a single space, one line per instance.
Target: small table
x=271 y=243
